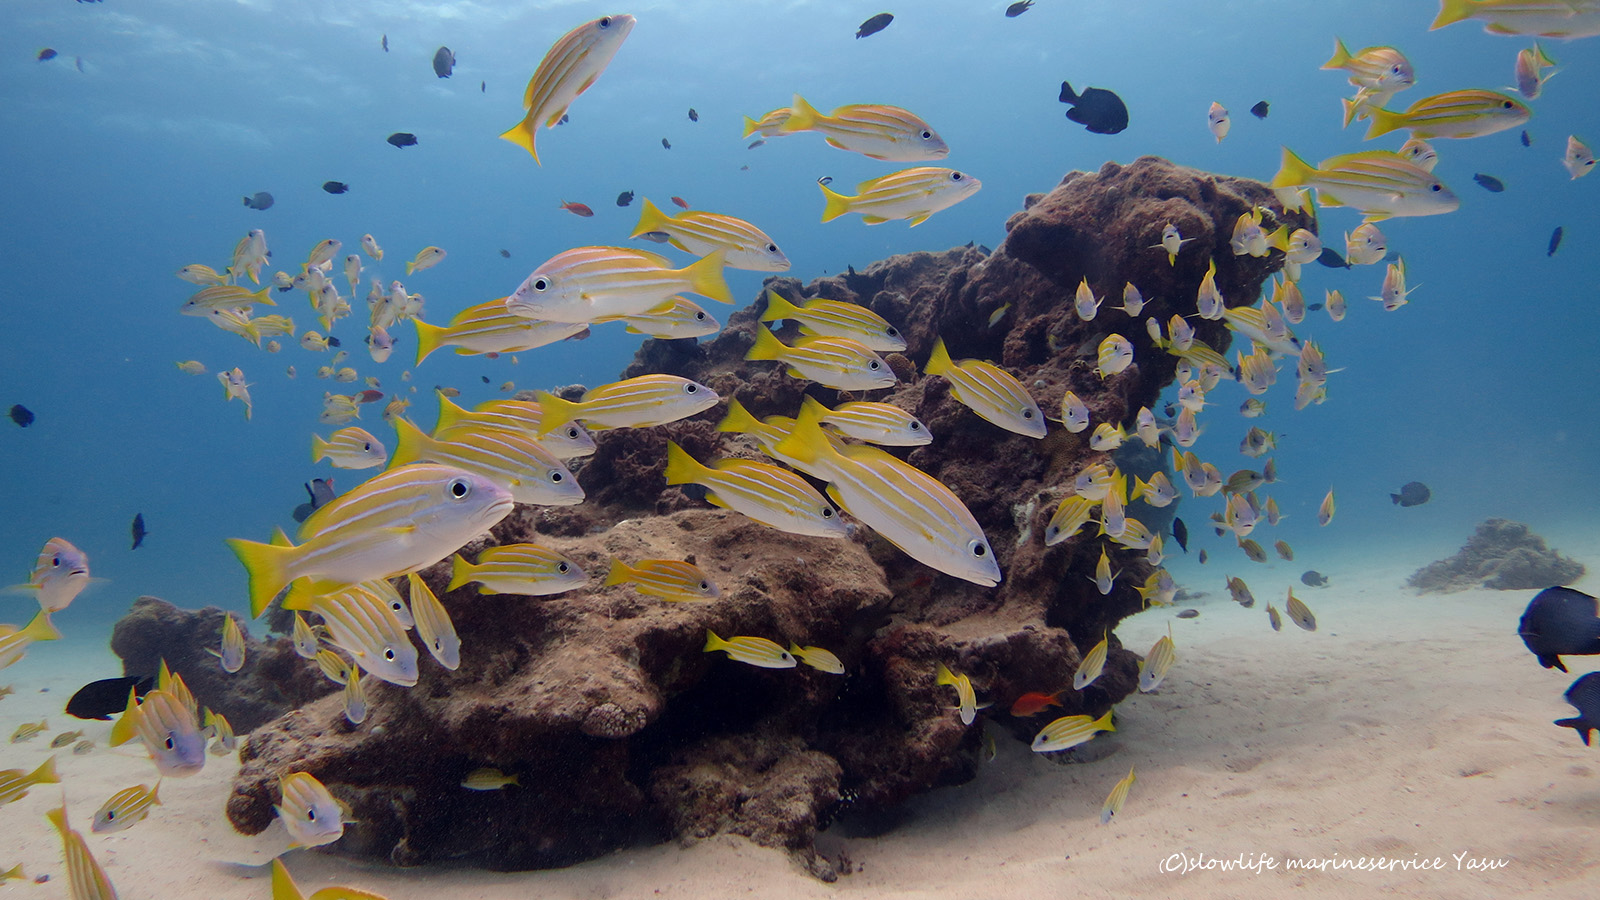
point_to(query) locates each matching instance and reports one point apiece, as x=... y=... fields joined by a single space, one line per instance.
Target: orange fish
x=681 y=202
x=577 y=209
x=1033 y=703
x=369 y=396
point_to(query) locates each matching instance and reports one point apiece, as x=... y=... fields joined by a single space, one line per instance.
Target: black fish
x=1189 y=614
x=1096 y=109
x=46 y=54
x=335 y=187
x=1313 y=578
x=1490 y=183
x=624 y=198
x=77 y=63
x=506 y=253
x=483 y=87
x=333 y=341
x=444 y=62
x=1018 y=8
x=666 y=143
x=261 y=200
x=1555 y=241
x=565 y=118
x=1314 y=307
x=1259 y=110
x=1560 y=621
x=1525 y=141
x=21 y=415
x=485 y=378
x=138 y=530
x=1412 y=493
x=874 y=25
x=1331 y=258
x=660 y=237
x=386 y=43
x=1585 y=695
x=100 y=699
x=402 y=139
x=321 y=492
x=1180 y=532
x=693 y=116
x=1202 y=556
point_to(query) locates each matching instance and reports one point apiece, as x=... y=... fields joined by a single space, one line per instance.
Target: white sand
x=1407 y=728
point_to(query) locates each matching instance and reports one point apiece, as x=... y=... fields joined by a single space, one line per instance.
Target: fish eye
x=892 y=332
x=873 y=365
x=705 y=586
x=555 y=478
x=926 y=135
x=690 y=388
x=1395 y=69
x=916 y=426
x=460 y=488
x=572 y=433
x=955 y=176
x=1436 y=188
x=978 y=549
x=827 y=512
x=311 y=814
x=772 y=248
x=438 y=644
x=388 y=654
x=170 y=742
x=605 y=21
x=1027 y=414
x=541 y=284
x=367 y=447
x=699 y=317
x=55 y=561
x=111 y=814
x=562 y=568
x=1507 y=105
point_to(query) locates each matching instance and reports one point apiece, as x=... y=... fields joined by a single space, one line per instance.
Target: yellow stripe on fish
x=434 y=627
x=526 y=569
x=668 y=579
x=675 y=318
x=170 y=732
x=874 y=130
x=966 y=697
x=569 y=441
x=14 y=783
x=225 y=297
x=1070 y=516
x=770 y=495
x=833 y=318
x=14 y=646
x=490 y=328
x=350 y=448
x=309 y=811
x=1153 y=669
x=834 y=362
x=514 y=460
x=126 y=808
x=399 y=521
x=755 y=651
x=694 y=231
x=587 y=283
x=1380 y=69
x=1070 y=731
x=633 y=403
x=883 y=424
x=360 y=622
x=1117 y=797
x=989 y=391
x=231 y=655
x=1545 y=18
x=85 y=879
x=568 y=68
x=1454 y=114
x=817 y=658
x=1379 y=183
x=913 y=194
x=1092 y=664
x=908 y=507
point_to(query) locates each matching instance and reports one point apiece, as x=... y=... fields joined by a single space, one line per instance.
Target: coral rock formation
x=604 y=701
x=1501 y=555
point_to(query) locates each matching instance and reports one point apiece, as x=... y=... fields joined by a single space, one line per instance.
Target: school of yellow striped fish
x=438 y=491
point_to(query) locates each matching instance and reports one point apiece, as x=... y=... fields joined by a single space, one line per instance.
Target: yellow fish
x=334 y=666
x=192 y=367
x=490 y=328
x=85 y=879
x=1579 y=159
x=1378 y=183
x=1217 y=120
x=225 y=296
x=1325 y=511
x=355 y=696
x=202 y=275
x=1074 y=413
x=1153 y=669
x=755 y=651
x=401 y=520
x=1070 y=516
x=1455 y=114
x=817 y=658
x=426 y=258
x=305 y=640
x=284 y=888
x=232 y=653
x=511 y=459
x=1117 y=797
x=1070 y=731
x=224 y=741
x=1299 y=613
x=881 y=132
x=840 y=363
x=1382 y=70
x=836 y=319
x=526 y=569
x=668 y=579
x=14 y=642
x=361 y=622
x=1171 y=241
x=14 y=783
x=1529 y=70
x=634 y=403
x=64 y=738
x=1114 y=355
x=59 y=575
x=1085 y=303
x=883 y=424
x=1273 y=618
x=966 y=697
x=349 y=448
x=487 y=779
x=988 y=390
x=434 y=627
x=309 y=811
x=770 y=495
x=702 y=233
x=587 y=283
x=569 y=68
x=1092 y=664
x=1103 y=577
x=912 y=194
x=165 y=721
x=1545 y=18
x=126 y=808
x=676 y=317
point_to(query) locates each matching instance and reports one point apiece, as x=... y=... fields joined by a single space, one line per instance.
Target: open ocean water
x=126 y=156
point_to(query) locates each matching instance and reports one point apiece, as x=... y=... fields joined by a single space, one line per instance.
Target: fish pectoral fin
x=398 y=529
x=874 y=220
x=918 y=220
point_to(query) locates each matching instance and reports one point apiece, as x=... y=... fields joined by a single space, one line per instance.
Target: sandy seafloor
x=1406 y=727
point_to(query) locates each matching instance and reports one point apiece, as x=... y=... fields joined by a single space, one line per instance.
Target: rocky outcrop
x=604 y=703
x=1501 y=555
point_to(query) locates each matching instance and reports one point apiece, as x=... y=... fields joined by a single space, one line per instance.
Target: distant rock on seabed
x=1501 y=555
x=603 y=702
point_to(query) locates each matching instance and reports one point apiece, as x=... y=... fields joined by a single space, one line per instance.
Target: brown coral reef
x=1501 y=555
x=602 y=701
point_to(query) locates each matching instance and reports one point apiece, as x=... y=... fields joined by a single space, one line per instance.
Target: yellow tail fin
x=705 y=277
x=681 y=467
x=267 y=567
x=1383 y=121
x=40 y=628
x=45 y=774
x=1294 y=171
x=837 y=204
x=806 y=443
x=1451 y=11
x=262 y=296
x=449 y=414
x=767 y=346
x=429 y=338
x=522 y=135
x=1104 y=722
x=460 y=572
x=778 y=308
x=1341 y=56
x=802 y=116
x=619 y=574
x=714 y=643
x=939 y=363
x=127 y=726
x=739 y=420
x=410 y=443
x=651 y=218
x=554 y=411
x=283 y=887
x=749 y=126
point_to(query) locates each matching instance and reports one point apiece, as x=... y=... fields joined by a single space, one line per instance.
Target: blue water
x=117 y=175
